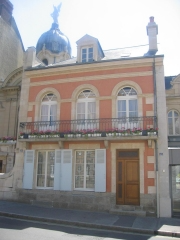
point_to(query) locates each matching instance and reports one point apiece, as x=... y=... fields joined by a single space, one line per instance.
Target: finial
x=55 y=14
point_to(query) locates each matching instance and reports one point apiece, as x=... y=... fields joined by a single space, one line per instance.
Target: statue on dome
x=55 y=14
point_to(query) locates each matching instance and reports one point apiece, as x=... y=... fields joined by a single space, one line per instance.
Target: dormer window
x=89 y=49
x=87 y=54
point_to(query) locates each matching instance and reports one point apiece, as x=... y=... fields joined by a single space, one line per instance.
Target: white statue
x=55 y=14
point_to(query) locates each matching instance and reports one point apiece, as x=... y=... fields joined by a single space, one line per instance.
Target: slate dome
x=54 y=41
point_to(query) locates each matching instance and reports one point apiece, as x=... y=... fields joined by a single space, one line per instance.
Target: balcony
x=106 y=128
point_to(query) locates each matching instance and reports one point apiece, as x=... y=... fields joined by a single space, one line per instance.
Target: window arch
x=49 y=108
x=127 y=105
x=173 y=123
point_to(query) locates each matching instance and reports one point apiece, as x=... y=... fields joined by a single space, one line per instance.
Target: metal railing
x=101 y=125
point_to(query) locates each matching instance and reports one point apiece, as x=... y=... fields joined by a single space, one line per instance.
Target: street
x=14 y=229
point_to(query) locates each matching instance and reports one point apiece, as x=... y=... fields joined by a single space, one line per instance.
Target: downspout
x=16 y=115
x=16 y=124
x=9 y=116
x=155 y=141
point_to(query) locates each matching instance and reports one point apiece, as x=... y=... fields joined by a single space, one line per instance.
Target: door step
x=128 y=210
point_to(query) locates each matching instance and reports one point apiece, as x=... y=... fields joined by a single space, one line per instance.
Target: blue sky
x=116 y=23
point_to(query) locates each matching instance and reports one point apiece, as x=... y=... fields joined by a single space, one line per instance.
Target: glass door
x=175 y=186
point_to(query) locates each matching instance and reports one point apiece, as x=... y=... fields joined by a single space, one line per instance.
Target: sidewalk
x=144 y=225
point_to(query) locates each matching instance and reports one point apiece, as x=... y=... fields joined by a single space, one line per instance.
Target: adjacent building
x=11 y=68
x=173 y=116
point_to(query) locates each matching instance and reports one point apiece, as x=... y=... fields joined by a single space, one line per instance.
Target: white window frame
x=175 y=123
x=85 y=124
x=87 y=59
x=99 y=171
x=49 y=103
x=85 y=159
x=85 y=101
x=45 y=177
x=127 y=99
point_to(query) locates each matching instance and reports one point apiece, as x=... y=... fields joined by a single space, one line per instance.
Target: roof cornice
x=94 y=66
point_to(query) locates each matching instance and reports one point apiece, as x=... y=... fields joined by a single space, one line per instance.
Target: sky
x=116 y=24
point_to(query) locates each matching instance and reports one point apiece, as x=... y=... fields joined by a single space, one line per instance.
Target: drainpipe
x=16 y=124
x=16 y=114
x=9 y=116
x=155 y=141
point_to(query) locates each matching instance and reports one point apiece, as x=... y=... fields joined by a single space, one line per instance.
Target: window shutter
x=57 y=170
x=66 y=180
x=28 y=169
x=100 y=170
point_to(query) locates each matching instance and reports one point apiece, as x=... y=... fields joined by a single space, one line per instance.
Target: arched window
x=49 y=108
x=86 y=108
x=173 y=123
x=127 y=103
x=127 y=107
x=45 y=61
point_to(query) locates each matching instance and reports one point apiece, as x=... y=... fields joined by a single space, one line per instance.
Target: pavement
x=98 y=220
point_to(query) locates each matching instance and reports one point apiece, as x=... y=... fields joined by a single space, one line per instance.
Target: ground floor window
x=45 y=169
x=85 y=170
x=59 y=170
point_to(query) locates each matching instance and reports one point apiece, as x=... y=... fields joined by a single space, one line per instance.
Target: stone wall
x=91 y=201
x=11 y=52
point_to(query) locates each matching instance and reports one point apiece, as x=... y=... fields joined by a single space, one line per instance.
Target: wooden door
x=127 y=177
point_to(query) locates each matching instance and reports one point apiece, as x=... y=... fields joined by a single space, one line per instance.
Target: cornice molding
x=93 y=78
x=10 y=89
x=74 y=68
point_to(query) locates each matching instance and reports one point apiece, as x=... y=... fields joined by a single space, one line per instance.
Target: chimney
x=29 y=57
x=152 y=31
x=30 y=60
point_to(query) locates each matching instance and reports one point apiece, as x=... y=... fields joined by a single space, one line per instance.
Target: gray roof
x=168 y=80
x=118 y=53
x=111 y=54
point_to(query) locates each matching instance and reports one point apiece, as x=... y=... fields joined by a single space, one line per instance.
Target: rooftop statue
x=55 y=14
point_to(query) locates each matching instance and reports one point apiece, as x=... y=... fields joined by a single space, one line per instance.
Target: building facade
x=91 y=129
x=173 y=116
x=11 y=68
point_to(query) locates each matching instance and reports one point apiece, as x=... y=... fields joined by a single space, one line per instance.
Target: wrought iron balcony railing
x=98 y=125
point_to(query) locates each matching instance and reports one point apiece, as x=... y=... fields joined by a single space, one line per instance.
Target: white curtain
x=91 y=110
x=121 y=108
x=81 y=110
x=44 y=112
x=53 y=112
x=133 y=108
x=86 y=110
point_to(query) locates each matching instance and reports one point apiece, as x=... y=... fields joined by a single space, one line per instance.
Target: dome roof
x=54 y=41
